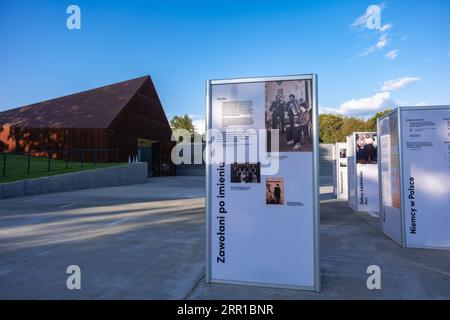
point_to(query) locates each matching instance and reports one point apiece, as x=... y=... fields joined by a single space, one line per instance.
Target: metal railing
x=35 y=162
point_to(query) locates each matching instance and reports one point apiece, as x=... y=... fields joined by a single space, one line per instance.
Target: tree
x=330 y=127
x=371 y=123
x=351 y=124
x=335 y=128
x=182 y=122
x=185 y=122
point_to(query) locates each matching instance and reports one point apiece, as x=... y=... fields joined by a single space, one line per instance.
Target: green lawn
x=16 y=167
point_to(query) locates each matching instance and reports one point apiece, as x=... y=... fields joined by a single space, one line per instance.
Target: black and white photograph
x=366 y=148
x=245 y=173
x=289 y=110
x=342 y=155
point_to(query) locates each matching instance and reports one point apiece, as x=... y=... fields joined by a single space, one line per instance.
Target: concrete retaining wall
x=327 y=164
x=106 y=177
x=191 y=170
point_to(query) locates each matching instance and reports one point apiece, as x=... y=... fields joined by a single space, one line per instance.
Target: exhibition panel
x=389 y=174
x=262 y=182
x=390 y=177
x=362 y=172
x=341 y=170
x=416 y=176
x=351 y=172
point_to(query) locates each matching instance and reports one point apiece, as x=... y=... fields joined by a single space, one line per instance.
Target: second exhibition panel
x=262 y=182
x=362 y=172
x=415 y=176
x=341 y=171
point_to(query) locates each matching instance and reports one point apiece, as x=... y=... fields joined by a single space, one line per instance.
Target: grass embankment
x=16 y=167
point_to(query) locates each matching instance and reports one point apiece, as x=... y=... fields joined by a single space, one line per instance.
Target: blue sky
x=183 y=43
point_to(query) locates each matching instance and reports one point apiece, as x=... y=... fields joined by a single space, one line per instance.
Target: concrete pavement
x=136 y=242
x=349 y=244
x=147 y=242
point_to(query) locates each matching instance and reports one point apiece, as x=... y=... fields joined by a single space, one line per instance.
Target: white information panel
x=351 y=172
x=425 y=145
x=262 y=206
x=389 y=171
x=341 y=169
x=363 y=192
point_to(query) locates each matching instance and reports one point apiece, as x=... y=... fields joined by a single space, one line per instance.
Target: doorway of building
x=145 y=153
x=157 y=155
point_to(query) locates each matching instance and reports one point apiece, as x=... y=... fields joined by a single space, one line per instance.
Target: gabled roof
x=95 y=108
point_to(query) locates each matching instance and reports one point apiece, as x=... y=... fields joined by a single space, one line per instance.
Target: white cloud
x=391 y=55
x=398 y=84
x=199 y=126
x=369 y=105
x=366 y=107
x=363 y=107
x=421 y=104
x=198 y=121
x=328 y=110
x=381 y=43
x=386 y=27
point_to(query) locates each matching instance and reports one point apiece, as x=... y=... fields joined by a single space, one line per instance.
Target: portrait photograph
x=275 y=191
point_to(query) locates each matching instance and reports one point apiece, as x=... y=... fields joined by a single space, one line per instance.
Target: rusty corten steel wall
x=143 y=116
x=140 y=116
x=39 y=140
